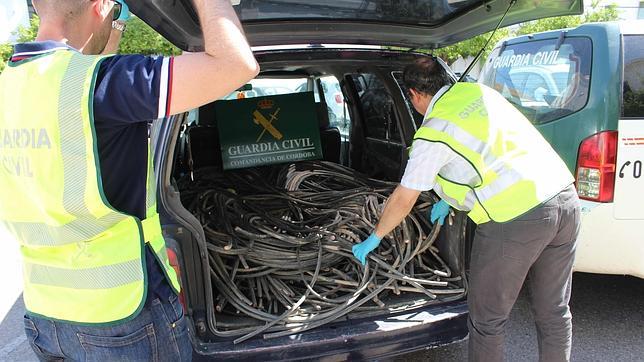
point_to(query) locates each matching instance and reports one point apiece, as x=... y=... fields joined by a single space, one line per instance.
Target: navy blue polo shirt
x=130 y=92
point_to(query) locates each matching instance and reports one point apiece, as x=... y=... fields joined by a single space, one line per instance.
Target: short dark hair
x=68 y=9
x=426 y=75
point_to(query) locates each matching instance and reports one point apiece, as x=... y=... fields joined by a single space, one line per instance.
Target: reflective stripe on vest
x=517 y=168
x=83 y=260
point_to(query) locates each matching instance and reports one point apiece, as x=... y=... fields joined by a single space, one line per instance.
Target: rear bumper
x=353 y=339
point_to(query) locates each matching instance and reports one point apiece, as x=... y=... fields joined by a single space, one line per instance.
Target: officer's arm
x=112 y=45
x=396 y=209
x=226 y=64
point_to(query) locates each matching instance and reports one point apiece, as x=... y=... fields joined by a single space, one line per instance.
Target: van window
x=377 y=106
x=417 y=117
x=543 y=80
x=633 y=76
x=336 y=104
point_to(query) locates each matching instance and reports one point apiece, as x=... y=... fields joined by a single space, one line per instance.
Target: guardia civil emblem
x=265 y=117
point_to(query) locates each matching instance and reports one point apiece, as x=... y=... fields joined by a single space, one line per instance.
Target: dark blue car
x=376 y=127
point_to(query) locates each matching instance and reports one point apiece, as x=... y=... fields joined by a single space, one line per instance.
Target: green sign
x=268 y=130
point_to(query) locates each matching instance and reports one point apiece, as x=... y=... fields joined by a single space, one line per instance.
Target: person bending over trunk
x=482 y=156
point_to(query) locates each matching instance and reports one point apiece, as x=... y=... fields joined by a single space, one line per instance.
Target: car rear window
x=633 y=76
x=330 y=86
x=545 y=79
x=270 y=87
x=431 y=12
x=417 y=117
x=377 y=106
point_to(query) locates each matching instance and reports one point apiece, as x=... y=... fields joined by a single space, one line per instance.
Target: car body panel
x=602 y=108
x=607 y=245
x=610 y=240
x=353 y=340
x=629 y=198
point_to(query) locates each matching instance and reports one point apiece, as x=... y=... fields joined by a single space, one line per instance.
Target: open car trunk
x=372 y=143
x=365 y=124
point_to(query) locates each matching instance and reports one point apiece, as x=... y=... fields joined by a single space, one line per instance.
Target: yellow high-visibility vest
x=517 y=168
x=83 y=261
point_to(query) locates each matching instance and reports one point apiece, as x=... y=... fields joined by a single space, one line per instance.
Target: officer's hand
x=439 y=212
x=360 y=251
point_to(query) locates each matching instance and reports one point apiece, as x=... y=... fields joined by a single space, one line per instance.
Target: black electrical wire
x=279 y=244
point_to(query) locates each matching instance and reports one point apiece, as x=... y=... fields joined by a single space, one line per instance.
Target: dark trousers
x=539 y=245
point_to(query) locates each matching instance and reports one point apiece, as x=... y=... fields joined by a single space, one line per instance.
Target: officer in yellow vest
x=77 y=187
x=482 y=156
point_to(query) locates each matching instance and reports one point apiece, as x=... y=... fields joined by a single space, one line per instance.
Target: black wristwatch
x=118 y=26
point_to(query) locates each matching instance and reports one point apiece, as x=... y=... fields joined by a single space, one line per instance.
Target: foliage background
x=472 y=46
x=140 y=38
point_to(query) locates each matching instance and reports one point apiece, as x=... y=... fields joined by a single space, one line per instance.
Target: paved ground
x=608 y=324
x=608 y=318
x=13 y=344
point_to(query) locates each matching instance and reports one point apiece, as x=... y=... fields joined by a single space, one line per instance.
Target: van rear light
x=596 y=165
x=338 y=98
x=174 y=263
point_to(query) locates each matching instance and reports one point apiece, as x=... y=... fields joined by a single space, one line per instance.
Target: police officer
x=76 y=183
x=482 y=156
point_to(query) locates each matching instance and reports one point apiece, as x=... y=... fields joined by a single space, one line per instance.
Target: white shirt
x=428 y=159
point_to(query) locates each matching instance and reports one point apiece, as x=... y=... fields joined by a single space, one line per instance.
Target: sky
x=12 y=14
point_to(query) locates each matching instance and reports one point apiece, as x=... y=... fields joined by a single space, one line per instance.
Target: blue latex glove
x=439 y=212
x=125 y=11
x=360 y=251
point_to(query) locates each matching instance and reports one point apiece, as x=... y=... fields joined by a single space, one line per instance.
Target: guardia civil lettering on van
x=527 y=59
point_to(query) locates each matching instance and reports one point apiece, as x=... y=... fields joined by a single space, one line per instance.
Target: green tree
x=608 y=13
x=140 y=38
x=595 y=14
x=5 y=53
x=24 y=34
x=28 y=33
x=471 y=46
x=546 y=24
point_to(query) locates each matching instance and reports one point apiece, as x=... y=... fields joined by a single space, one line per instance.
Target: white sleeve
x=165 y=89
x=425 y=161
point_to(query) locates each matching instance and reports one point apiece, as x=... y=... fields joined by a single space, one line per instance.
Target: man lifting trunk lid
x=98 y=284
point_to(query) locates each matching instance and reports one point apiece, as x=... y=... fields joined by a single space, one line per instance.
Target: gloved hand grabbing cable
x=360 y=251
x=439 y=211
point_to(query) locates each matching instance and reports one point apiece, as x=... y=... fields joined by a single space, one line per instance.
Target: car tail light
x=596 y=167
x=174 y=263
x=338 y=98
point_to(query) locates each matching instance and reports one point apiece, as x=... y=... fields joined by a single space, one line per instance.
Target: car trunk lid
x=404 y=23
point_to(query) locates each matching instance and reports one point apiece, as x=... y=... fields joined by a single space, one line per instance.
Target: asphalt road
x=608 y=324
x=608 y=320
